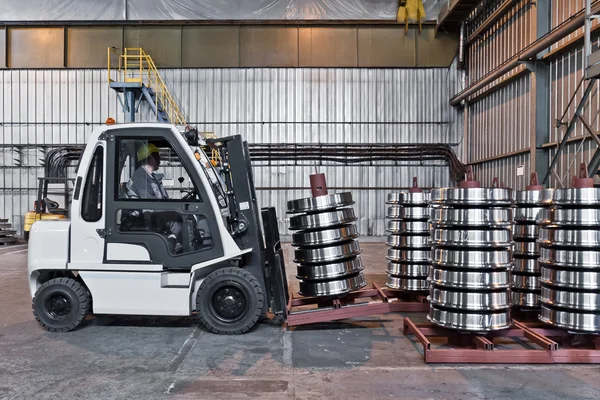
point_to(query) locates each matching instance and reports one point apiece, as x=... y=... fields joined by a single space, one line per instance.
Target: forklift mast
x=265 y=259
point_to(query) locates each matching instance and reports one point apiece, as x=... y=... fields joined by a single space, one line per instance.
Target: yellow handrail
x=135 y=65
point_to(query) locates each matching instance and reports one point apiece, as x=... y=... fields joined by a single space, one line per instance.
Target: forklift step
x=8 y=240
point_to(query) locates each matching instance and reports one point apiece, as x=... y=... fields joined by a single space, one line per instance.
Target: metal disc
x=544 y=217
x=529 y=197
x=586 y=280
x=393 y=198
x=413 y=256
x=576 y=217
x=577 y=197
x=457 y=217
x=321 y=203
x=329 y=271
x=321 y=255
x=327 y=219
x=408 y=213
x=526 y=232
x=576 y=321
x=525 y=299
x=584 y=259
x=407 y=284
x=471 y=259
x=417 y=198
x=473 y=196
x=334 y=287
x=471 y=280
x=469 y=301
x=585 y=301
x=526 y=282
x=470 y=321
x=408 y=242
x=408 y=227
x=408 y=270
x=569 y=237
x=526 y=249
x=320 y=238
x=471 y=238
x=527 y=214
x=526 y=266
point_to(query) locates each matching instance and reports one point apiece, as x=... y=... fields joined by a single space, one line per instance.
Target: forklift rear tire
x=61 y=304
x=230 y=301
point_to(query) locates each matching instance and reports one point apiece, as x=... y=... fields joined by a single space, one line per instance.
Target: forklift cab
x=154 y=232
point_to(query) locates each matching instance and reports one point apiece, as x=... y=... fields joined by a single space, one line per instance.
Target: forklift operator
x=146 y=184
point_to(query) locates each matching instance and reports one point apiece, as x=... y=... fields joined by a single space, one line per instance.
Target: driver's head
x=148 y=155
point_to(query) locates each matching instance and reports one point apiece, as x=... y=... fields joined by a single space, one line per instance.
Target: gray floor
x=147 y=358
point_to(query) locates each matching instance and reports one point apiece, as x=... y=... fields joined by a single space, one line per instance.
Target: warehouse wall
x=40 y=108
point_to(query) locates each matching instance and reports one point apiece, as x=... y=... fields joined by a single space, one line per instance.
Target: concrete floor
x=146 y=358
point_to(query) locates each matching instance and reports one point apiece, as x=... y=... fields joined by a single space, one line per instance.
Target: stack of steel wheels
x=327 y=252
x=471 y=258
x=526 y=270
x=408 y=241
x=570 y=260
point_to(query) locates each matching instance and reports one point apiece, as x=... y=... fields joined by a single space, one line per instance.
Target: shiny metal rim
x=577 y=197
x=321 y=203
x=471 y=259
x=526 y=232
x=408 y=270
x=576 y=217
x=585 y=280
x=488 y=217
x=469 y=321
x=413 y=242
x=334 y=287
x=526 y=282
x=330 y=236
x=473 y=196
x=408 y=213
x=471 y=280
x=408 y=227
x=529 y=197
x=322 y=220
x=527 y=214
x=329 y=271
x=321 y=255
x=526 y=249
x=416 y=256
x=584 y=259
x=525 y=299
x=585 y=301
x=416 y=198
x=471 y=238
x=470 y=301
x=407 y=284
x=393 y=198
x=577 y=321
x=569 y=237
x=526 y=266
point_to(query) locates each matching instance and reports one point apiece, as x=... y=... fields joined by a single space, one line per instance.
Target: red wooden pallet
x=310 y=310
x=554 y=345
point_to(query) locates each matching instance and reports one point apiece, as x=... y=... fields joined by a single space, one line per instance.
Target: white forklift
x=188 y=242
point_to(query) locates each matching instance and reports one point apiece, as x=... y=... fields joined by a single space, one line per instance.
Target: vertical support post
x=130 y=105
x=587 y=45
x=540 y=83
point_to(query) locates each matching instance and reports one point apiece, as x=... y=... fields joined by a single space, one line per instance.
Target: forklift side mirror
x=181 y=179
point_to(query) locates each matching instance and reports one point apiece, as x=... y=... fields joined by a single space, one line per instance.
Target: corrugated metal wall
x=500 y=122
x=264 y=105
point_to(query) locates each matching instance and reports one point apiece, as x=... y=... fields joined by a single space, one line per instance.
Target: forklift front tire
x=61 y=304
x=230 y=301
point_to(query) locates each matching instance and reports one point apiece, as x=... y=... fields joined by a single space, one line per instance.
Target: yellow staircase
x=136 y=71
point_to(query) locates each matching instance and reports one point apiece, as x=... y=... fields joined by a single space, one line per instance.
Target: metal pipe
x=587 y=45
x=558 y=33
